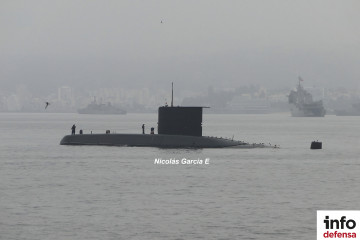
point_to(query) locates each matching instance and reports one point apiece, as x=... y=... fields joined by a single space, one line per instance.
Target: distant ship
x=95 y=108
x=353 y=111
x=302 y=104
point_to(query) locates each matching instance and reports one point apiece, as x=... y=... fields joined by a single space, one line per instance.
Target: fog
x=196 y=44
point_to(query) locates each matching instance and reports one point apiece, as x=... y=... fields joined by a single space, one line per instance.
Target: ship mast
x=172 y=94
x=300 y=80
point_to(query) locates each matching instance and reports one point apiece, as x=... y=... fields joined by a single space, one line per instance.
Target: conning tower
x=180 y=120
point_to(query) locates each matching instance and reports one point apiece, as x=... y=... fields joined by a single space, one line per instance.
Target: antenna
x=172 y=93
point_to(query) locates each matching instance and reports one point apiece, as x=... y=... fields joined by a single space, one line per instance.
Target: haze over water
x=93 y=192
x=136 y=44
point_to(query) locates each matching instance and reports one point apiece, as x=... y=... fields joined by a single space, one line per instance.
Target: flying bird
x=46 y=104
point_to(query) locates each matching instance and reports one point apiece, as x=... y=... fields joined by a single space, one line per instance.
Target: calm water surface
x=48 y=191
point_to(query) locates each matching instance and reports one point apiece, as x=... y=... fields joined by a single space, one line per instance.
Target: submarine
x=178 y=127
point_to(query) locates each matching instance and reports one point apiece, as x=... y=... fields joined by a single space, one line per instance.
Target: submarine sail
x=180 y=121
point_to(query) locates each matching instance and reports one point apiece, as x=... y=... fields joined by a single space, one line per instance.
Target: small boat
x=100 y=108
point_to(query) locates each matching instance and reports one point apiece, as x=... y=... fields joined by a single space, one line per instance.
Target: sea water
x=50 y=191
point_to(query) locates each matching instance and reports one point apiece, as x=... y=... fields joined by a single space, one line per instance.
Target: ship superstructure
x=302 y=103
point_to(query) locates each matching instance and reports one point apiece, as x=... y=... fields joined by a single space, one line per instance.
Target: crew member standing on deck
x=73 y=129
x=143 y=128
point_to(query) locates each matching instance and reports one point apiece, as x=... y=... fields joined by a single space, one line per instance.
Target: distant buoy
x=316 y=145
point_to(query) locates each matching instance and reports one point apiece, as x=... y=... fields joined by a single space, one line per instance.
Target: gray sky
x=87 y=43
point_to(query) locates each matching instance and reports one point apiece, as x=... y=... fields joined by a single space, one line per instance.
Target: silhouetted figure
x=46 y=104
x=152 y=131
x=143 y=128
x=73 y=129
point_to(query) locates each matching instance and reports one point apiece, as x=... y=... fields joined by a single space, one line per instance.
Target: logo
x=338 y=224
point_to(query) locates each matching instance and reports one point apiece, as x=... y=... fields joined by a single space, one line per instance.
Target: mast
x=300 y=80
x=172 y=93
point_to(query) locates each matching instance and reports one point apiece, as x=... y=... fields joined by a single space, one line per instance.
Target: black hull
x=154 y=140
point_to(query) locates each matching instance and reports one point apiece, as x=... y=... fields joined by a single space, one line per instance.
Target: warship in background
x=101 y=108
x=302 y=103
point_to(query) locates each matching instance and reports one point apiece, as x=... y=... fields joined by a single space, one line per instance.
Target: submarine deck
x=155 y=140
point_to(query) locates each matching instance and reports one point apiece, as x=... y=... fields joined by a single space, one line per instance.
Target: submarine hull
x=154 y=140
